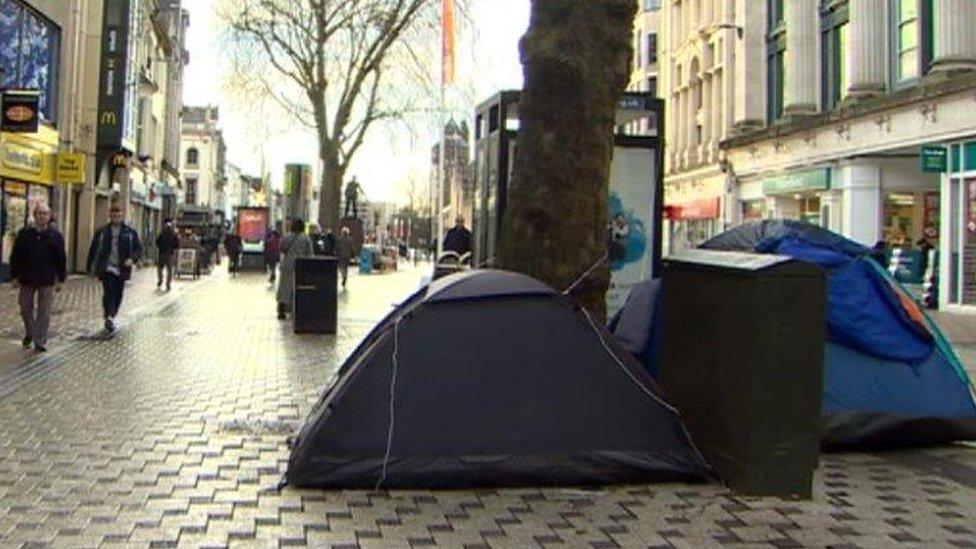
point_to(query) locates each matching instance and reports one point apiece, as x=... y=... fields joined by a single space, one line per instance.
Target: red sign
x=252 y=223
x=703 y=208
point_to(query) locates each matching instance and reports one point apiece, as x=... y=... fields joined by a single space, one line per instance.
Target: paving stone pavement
x=174 y=433
x=77 y=310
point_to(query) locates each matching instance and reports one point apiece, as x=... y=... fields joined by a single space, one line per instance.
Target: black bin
x=742 y=352
x=316 y=295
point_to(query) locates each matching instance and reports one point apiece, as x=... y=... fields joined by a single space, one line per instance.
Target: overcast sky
x=487 y=62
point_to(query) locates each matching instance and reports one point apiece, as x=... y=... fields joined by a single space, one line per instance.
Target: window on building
x=192 y=157
x=834 y=30
x=650 y=5
x=775 y=61
x=911 y=39
x=29 y=47
x=652 y=85
x=191 y=191
x=651 y=48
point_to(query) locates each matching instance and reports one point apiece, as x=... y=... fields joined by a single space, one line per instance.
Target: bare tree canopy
x=576 y=56
x=327 y=62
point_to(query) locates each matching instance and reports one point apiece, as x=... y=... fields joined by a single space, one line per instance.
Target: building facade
x=838 y=100
x=457 y=198
x=697 y=46
x=647 y=27
x=202 y=157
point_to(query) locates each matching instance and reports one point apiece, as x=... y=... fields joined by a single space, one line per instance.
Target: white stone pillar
x=802 y=49
x=708 y=122
x=749 y=95
x=716 y=114
x=955 y=35
x=861 y=189
x=866 y=51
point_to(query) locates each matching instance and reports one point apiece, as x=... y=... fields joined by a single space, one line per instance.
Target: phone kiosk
x=636 y=190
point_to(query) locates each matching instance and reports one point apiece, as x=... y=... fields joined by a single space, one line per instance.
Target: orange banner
x=447 y=42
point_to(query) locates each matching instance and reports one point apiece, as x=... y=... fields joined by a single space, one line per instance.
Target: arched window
x=192 y=157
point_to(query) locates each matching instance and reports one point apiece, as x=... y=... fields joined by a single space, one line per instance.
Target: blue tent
x=890 y=377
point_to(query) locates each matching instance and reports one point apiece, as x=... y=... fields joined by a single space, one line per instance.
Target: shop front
x=692 y=222
x=957 y=281
x=27 y=178
x=802 y=196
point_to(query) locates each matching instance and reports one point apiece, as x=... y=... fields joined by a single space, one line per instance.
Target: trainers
x=26 y=342
x=109 y=325
x=40 y=348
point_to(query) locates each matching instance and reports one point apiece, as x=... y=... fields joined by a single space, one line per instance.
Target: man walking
x=166 y=245
x=39 y=266
x=233 y=245
x=458 y=239
x=115 y=248
x=344 y=249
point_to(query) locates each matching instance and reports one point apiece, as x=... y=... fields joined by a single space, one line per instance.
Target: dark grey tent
x=489 y=378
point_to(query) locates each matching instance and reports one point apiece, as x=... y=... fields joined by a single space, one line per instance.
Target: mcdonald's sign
x=113 y=74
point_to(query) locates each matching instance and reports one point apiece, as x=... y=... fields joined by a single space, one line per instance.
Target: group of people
x=38 y=268
x=280 y=254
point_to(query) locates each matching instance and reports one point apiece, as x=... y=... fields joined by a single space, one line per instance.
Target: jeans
x=165 y=262
x=112 y=288
x=36 y=321
x=273 y=269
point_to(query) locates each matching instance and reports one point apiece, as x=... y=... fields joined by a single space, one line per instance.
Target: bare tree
x=576 y=56
x=330 y=60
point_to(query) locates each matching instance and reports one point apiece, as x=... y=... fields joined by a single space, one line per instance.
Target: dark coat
x=344 y=249
x=167 y=243
x=458 y=240
x=101 y=247
x=233 y=244
x=38 y=257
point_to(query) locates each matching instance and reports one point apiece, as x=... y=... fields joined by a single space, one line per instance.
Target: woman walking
x=293 y=246
x=272 y=255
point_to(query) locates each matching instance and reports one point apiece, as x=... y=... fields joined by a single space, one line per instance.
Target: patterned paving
x=175 y=433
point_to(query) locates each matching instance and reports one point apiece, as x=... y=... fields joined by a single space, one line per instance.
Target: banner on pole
x=447 y=43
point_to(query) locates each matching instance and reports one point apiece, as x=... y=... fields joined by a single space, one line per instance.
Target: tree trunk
x=576 y=57
x=330 y=199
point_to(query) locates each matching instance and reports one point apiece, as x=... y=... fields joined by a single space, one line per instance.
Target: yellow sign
x=15 y=188
x=71 y=168
x=29 y=157
x=109 y=118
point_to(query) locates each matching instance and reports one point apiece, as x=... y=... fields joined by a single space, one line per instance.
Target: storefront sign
x=252 y=224
x=15 y=188
x=19 y=111
x=703 y=208
x=810 y=180
x=71 y=167
x=934 y=159
x=22 y=158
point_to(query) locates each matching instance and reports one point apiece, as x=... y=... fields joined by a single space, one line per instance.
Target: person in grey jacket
x=296 y=244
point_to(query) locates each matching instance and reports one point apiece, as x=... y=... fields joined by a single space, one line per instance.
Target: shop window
x=775 y=61
x=969 y=156
x=834 y=30
x=899 y=215
x=912 y=39
x=29 y=47
x=191 y=190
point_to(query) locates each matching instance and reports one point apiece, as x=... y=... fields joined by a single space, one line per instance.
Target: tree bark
x=576 y=57
x=330 y=202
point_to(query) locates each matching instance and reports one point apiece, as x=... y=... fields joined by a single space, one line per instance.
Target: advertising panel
x=252 y=223
x=633 y=244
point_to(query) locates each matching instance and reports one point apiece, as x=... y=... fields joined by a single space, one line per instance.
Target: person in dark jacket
x=114 y=250
x=233 y=245
x=458 y=239
x=39 y=266
x=166 y=245
x=344 y=251
x=330 y=243
x=272 y=254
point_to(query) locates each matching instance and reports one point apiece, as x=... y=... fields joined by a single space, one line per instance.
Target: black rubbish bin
x=742 y=358
x=316 y=295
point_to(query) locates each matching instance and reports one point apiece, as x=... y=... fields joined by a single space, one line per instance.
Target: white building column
x=866 y=55
x=860 y=184
x=955 y=35
x=802 y=51
x=716 y=114
x=749 y=95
